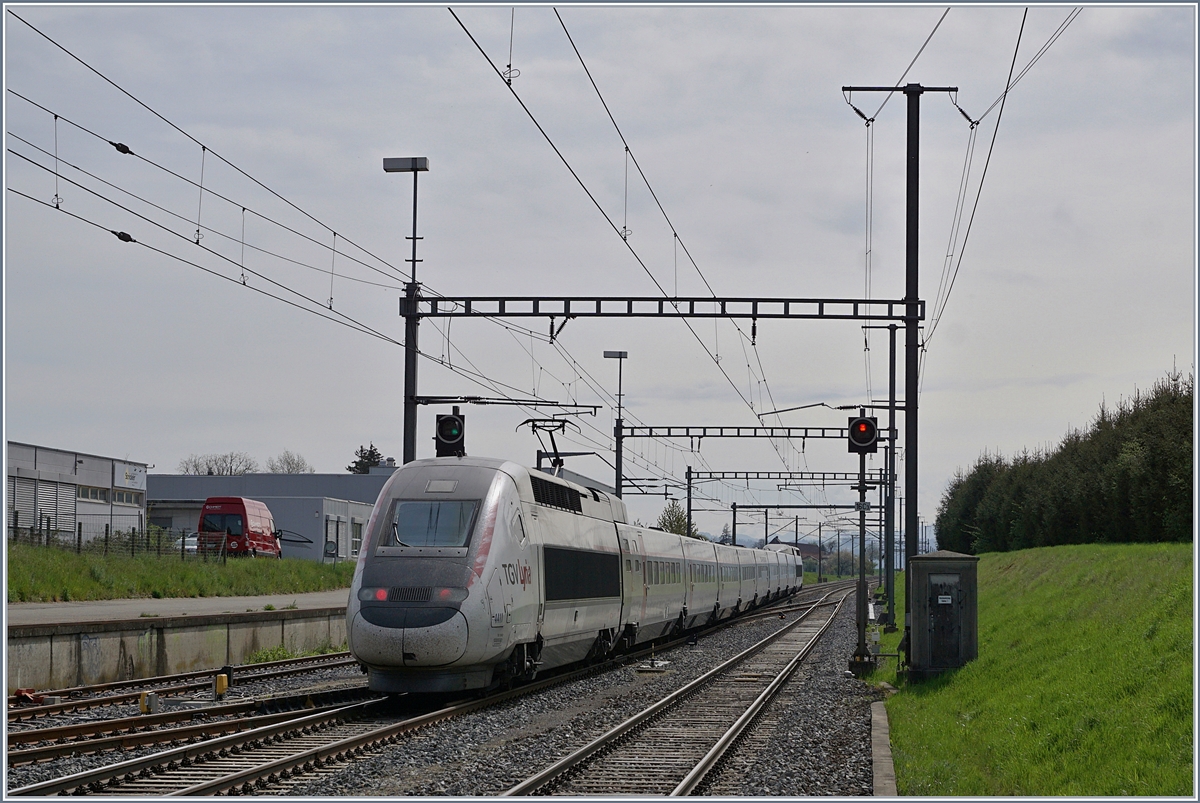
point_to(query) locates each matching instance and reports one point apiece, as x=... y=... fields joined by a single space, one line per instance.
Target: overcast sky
x=1077 y=284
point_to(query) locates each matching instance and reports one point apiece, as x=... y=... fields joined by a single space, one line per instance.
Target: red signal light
x=864 y=434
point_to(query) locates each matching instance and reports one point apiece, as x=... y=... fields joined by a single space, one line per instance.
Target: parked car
x=188 y=544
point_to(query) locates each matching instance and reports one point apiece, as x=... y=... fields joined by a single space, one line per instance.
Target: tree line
x=1126 y=478
x=238 y=463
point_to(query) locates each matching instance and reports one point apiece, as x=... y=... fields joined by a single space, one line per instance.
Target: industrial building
x=60 y=491
x=313 y=510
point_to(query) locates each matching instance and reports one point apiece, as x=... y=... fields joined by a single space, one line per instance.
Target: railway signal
x=864 y=435
x=449 y=434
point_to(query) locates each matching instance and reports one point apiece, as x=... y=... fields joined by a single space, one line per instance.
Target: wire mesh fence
x=119 y=535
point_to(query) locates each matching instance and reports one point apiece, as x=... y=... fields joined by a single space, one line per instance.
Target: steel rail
x=587 y=751
x=31 y=755
x=247 y=779
x=693 y=779
x=18 y=714
x=253 y=777
x=84 y=780
x=182 y=676
x=125 y=723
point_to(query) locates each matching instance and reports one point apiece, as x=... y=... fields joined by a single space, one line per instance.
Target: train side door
x=635 y=575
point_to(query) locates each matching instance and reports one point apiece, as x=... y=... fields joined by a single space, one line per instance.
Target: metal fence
x=116 y=535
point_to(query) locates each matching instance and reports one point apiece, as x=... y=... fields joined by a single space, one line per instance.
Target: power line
x=125 y=149
x=205 y=248
x=208 y=229
x=982 y=178
x=124 y=237
x=129 y=95
x=596 y=203
x=666 y=217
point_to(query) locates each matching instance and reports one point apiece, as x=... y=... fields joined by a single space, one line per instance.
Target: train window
x=637 y=565
x=444 y=523
x=626 y=544
x=628 y=567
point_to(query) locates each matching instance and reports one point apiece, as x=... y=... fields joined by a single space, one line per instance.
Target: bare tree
x=226 y=464
x=289 y=463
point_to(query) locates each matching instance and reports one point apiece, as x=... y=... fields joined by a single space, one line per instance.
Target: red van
x=244 y=526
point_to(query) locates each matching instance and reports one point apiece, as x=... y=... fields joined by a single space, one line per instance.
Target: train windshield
x=429 y=524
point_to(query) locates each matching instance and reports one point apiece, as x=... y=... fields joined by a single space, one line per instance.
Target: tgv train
x=475 y=571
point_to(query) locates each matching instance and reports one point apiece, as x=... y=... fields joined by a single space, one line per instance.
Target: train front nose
x=409 y=637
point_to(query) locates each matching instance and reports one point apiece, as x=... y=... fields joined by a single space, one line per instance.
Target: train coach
x=476 y=571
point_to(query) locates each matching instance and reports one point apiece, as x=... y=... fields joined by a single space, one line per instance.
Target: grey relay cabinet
x=945 y=611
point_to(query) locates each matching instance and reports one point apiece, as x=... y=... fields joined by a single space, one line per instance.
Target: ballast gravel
x=816 y=739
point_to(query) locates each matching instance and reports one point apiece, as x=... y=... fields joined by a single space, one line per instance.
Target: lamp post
x=412 y=293
x=619 y=356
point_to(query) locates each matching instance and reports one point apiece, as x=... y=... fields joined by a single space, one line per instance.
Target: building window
x=127 y=498
x=92 y=494
x=355 y=537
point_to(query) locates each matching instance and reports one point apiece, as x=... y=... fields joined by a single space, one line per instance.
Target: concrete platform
x=52 y=613
x=59 y=645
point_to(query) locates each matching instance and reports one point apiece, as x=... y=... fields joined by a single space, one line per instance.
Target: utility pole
x=889 y=512
x=820 y=550
x=409 y=308
x=861 y=661
x=912 y=314
x=688 y=474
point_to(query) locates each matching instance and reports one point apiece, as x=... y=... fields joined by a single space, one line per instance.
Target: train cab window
x=445 y=523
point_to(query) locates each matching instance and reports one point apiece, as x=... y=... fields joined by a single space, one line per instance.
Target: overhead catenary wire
x=208 y=229
x=979 y=192
x=203 y=228
x=241 y=239
x=600 y=208
x=125 y=237
x=205 y=248
x=240 y=262
x=126 y=150
x=473 y=376
x=215 y=155
x=677 y=241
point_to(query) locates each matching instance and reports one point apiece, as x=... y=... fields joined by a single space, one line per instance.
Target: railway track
x=103 y=694
x=671 y=746
x=276 y=754
x=173 y=727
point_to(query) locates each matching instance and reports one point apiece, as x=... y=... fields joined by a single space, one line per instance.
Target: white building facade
x=58 y=491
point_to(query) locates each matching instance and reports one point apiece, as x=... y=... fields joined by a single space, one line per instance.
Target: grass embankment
x=39 y=574
x=1083 y=684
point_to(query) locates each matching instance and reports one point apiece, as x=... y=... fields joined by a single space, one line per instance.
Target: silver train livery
x=474 y=572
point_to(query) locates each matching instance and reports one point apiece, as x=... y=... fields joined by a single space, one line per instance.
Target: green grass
x=40 y=574
x=282 y=653
x=1083 y=685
